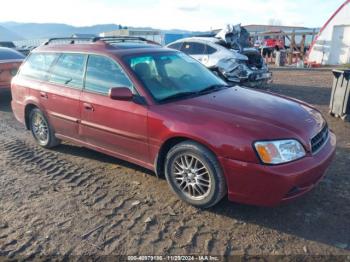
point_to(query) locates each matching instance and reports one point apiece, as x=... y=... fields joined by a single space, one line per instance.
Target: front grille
x=320 y=139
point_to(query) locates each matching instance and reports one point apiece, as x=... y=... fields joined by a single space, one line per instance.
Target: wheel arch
x=28 y=108
x=171 y=142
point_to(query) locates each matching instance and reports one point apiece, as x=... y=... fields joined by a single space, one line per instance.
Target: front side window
x=37 y=65
x=170 y=75
x=210 y=50
x=176 y=46
x=193 y=48
x=103 y=73
x=69 y=70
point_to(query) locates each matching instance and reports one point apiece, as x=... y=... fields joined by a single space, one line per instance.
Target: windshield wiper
x=212 y=88
x=208 y=89
x=178 y=95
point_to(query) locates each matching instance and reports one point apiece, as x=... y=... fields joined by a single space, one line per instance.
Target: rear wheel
x=41 y=129
x=194 y=174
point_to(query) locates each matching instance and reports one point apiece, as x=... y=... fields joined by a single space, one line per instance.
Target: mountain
x=8 y=35
x=47 y=30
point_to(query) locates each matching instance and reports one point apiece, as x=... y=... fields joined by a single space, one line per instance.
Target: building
x=83 y=35
x=332 y=44
x=150 y=34
x=265 y=28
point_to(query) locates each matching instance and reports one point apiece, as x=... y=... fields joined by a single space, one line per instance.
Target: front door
x=196 y=50
x=119 y=127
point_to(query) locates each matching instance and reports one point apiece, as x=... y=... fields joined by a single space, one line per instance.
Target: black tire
x=206 y=158
x=51 y=140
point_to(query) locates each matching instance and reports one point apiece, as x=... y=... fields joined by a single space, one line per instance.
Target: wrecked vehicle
x=228 y=54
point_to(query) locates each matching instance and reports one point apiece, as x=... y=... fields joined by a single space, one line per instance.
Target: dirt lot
x=74 y=201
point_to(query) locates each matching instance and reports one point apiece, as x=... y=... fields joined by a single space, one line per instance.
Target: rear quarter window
x=37 y=65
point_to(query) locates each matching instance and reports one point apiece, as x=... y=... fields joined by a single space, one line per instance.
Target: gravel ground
x=74 y=201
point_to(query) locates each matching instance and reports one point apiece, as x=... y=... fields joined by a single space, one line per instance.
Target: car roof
x=100 y=47
x=213 y=40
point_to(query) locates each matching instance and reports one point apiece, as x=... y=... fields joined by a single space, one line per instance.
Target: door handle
x=44 y=95
x=88 y=107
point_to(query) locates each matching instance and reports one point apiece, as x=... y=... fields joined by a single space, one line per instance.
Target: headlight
x=279 y=151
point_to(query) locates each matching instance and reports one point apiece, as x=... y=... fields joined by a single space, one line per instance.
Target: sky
x=199 y=15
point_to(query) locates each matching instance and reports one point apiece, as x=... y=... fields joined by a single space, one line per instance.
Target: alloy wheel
x=191 y=176
x=40 y=128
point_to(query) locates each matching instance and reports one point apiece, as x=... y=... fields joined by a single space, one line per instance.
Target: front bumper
x=265 y=185
x=249 y=76
x=259 y=76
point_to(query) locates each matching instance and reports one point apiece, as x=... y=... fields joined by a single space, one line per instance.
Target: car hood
x=255 y=115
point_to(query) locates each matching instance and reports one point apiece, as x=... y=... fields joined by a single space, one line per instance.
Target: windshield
x=7 y=44
x=173 y=75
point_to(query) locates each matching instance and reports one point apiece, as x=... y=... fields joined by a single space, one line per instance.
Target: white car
x=239 y=65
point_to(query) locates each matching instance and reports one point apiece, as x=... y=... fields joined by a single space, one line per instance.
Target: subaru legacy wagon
x=163 y=110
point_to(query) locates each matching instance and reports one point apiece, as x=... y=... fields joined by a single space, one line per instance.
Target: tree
x=274 y=21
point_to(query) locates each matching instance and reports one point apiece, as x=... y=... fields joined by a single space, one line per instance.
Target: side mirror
x=121 y=93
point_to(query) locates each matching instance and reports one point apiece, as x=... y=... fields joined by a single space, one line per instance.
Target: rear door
x=119 y=127
x=32 y=76
x=60 y=95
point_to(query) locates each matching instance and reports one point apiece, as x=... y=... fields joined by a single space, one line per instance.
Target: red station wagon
x=163 y=110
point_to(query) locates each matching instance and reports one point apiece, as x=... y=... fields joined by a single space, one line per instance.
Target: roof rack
x=106 y=39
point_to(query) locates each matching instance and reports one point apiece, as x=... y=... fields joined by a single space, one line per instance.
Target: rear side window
x=37 y=65
x=176 y=46
x=103 y=73
x=193 y=48
x=69 y=70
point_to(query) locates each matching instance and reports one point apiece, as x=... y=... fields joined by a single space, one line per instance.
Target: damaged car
x=229 y=54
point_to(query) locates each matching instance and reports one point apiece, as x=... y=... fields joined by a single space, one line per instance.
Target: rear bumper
x=265 y=185
x=5 y=86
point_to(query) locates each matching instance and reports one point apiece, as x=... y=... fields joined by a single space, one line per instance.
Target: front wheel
x=195 y=175
x=41 y=129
